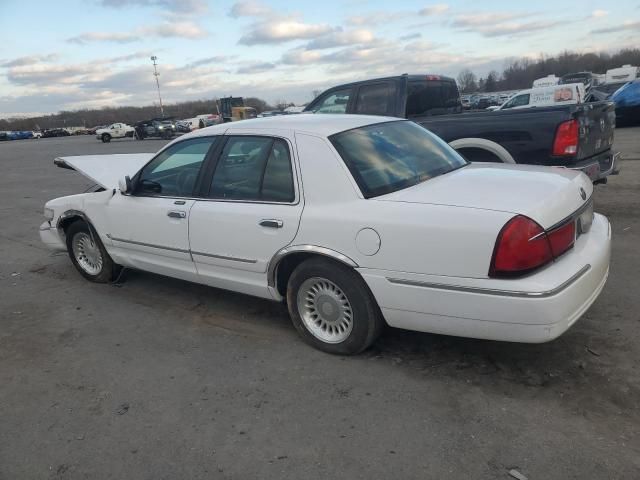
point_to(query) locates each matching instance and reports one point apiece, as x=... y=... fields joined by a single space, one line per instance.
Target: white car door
x=253 y=210
x=149 y=229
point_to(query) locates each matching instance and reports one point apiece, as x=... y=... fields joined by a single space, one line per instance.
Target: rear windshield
x=432 y=97
x=390 y=156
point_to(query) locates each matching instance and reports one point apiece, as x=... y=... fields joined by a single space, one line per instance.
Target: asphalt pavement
x=164 y=379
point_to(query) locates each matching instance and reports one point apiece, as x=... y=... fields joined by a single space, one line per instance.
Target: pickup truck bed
x=525 y=135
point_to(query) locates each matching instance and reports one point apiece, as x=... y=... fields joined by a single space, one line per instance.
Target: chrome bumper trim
x=492 y=291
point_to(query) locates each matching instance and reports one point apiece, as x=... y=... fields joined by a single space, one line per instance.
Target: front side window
x=375 y=99
x=334 y=102
x=254 y=168
x=174 y=171
x=391 y=156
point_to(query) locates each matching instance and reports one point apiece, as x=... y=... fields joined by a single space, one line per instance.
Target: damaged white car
x=354 y=221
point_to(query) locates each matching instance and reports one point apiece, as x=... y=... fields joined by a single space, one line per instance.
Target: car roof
x=319 y=124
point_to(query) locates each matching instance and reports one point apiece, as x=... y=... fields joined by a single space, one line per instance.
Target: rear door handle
x=177 y=214
x=271 y=223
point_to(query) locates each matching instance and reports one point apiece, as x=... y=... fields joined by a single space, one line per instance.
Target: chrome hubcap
x=87 y=253
x=325 y=310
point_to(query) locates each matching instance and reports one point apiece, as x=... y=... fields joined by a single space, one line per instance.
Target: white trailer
x=625 y=73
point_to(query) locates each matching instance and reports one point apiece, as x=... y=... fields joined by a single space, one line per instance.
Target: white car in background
x=354 y=221
x=115 y=130
x=551 y=96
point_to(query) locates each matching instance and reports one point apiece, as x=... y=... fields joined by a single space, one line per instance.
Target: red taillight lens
x=522 y=246
x=566 y=140
x=561 y=239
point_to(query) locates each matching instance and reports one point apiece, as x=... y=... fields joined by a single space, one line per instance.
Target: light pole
x=156 y=74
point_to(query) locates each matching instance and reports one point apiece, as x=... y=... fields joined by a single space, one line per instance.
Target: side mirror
x=125 y=185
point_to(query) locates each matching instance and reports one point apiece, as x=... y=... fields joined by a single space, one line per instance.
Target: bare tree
x=467 y=81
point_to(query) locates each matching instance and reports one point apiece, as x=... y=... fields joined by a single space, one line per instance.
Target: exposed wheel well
x=288 y=264
x=67 y=221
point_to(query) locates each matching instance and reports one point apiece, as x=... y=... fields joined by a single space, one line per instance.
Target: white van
x=548 y=81
x=567 y=94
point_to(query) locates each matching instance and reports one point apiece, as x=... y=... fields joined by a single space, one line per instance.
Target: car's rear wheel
x=106 y=138
x=332 y=308
x=88 y=254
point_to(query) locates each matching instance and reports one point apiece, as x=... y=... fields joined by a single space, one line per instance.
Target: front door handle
x=271 y=223
x=177 y=214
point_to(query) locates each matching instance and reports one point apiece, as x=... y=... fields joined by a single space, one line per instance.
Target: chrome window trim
x=293 y=160
x=492 y=291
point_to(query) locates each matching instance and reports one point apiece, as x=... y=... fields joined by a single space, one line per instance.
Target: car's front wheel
x=332 y=308
x=106 y=138
x=89 y=255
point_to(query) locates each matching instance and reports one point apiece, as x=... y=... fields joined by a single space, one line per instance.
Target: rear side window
x=394 y=155
x=254 y=168
x=432 y=97
x=376 y=99
x=333 y=102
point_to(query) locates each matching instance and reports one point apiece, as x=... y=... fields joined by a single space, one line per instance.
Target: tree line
x=130 y=115
x=520 y=73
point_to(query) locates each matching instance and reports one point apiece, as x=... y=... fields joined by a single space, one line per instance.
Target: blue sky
x=71 y=54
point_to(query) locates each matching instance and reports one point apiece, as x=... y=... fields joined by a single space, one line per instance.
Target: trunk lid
x=105 y=170
x=544 y=194
x=597 y=122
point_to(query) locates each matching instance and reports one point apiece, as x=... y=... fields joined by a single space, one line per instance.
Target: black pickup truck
x=574 y=136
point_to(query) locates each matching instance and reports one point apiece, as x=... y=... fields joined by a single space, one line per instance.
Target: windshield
x=390 y=156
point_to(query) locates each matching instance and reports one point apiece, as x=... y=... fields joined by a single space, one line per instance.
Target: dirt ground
x=163 y=379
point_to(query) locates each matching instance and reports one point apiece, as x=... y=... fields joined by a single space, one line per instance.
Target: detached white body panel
x=424 y=251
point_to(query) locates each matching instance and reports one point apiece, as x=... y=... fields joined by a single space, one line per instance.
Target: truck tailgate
x=597 y=124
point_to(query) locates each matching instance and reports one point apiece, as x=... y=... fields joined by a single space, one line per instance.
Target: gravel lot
x=163 y=379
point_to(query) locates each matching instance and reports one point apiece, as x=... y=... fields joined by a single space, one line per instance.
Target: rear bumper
x=599 y=166
x=534 y=309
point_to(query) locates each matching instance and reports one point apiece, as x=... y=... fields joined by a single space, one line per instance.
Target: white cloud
x=376 y=18
x=29 y=60
x=182 y=29
x=249 y=8
x=341 y=38
x=257 y=67
x=495 y=24
x=599 y=13
x=437 y=9
x=626 y=25
x=116 y=37
x=484 y=19
x=183 y=7
x=176 y=29
x=280 y=31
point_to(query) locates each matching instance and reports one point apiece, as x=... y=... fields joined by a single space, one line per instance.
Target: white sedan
x=354 y=221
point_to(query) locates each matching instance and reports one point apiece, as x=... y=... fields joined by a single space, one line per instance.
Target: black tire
x=367 y=321
x=109 y=269
x=106 y=138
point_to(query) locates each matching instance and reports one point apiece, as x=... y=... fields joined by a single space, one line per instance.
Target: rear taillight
x=523 y=246
x=566 y=140
x=561 y=239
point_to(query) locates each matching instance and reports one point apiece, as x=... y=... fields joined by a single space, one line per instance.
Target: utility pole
x=156 y=74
